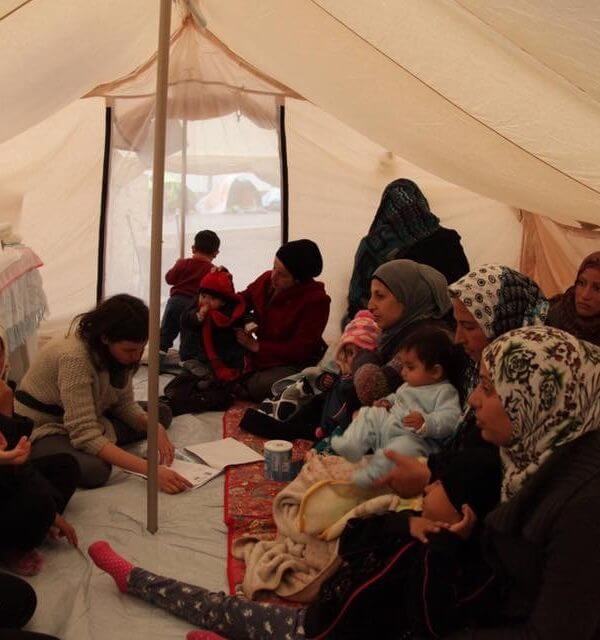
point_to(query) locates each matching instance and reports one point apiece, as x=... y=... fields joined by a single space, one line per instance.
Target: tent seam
x=453 y=104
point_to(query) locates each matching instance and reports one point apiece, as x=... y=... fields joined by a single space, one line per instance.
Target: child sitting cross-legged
x=417 y=418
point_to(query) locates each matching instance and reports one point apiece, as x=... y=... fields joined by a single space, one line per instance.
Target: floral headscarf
x=500 y=299
x=549 y=383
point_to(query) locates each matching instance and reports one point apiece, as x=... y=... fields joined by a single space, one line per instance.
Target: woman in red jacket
x=291 y=310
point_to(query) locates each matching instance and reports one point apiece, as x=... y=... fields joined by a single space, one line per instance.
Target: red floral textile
x=248 y=495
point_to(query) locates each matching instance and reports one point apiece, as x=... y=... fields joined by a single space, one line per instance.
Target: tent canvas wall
x=467 y=91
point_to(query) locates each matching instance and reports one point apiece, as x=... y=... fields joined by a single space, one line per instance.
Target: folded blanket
x=310 y=514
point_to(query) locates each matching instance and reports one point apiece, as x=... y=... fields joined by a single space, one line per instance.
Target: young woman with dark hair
x=79 y=395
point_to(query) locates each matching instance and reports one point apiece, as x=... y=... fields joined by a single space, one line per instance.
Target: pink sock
x=203 y=635
x=105 y=557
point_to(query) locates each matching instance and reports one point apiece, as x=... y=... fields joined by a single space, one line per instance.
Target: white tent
x=480 y=96
x=492 y=108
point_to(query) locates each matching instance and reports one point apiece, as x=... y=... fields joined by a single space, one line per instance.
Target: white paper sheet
x=223 y=453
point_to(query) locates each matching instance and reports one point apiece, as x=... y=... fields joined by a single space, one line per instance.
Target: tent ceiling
x=55 y=51
x=435 y=84
x=499 y=97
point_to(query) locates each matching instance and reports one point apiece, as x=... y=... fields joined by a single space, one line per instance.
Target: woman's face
x=468 y=332
x=587 y=293
x=281 y=278
x=126 y=352
x=490 y=414
x=385 y=307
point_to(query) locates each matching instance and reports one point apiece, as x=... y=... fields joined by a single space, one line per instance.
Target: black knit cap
x=302 y=258
x=473 y=477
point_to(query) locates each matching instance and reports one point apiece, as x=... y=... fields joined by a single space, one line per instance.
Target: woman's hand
x=421 y=527
x=170 y=481
x=383 y=403
x=408 y=478
x=18 y=455
x=166 y=450
x=63 y=529
x=246 y=340
x=464 y=528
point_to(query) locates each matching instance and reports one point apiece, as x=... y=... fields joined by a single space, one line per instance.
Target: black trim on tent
x=104 y=205
x=284 y=177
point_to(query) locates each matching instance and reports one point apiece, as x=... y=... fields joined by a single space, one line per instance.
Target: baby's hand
x=384 y=403
x=414 y=420
x=421 y=527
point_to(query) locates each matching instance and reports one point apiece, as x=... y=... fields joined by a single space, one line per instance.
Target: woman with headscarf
x=538 y=401
x=291 y=310
x=487 y=302
x=404 y=227
x=404 y=296
x=577 y=310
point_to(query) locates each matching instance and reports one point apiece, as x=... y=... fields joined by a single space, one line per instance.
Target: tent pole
x=183 y=189
x=158 y=183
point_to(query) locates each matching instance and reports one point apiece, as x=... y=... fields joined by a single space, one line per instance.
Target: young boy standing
x=185 y=277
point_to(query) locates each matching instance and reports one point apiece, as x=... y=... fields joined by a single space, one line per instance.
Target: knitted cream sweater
x=64 y=374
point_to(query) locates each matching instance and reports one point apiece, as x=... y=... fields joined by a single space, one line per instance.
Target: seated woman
x=291 y=310
x=537 y=401
x=577 y=310
x=79 y=395
x=487 y=302
x=404 y=296
x=404 y=227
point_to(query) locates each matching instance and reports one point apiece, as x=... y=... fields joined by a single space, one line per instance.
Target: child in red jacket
x=209 y=348
x=185 y=277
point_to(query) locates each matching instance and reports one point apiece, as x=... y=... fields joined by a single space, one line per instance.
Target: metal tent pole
x=158 y=175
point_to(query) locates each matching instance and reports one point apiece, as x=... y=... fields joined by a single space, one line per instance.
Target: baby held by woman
x=417 y=418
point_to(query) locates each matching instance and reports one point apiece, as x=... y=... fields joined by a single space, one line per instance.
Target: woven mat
x=248 y=495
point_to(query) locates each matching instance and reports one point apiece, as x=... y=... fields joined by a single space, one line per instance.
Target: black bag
x=183 y=395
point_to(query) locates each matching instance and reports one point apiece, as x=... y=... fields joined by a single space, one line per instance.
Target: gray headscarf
x=420 y=288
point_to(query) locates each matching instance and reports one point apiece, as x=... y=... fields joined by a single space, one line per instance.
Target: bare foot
x=24 y=563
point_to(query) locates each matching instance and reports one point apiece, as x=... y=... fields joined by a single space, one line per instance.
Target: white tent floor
x=76 y=601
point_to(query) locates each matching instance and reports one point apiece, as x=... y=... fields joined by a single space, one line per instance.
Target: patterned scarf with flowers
x=549 y=384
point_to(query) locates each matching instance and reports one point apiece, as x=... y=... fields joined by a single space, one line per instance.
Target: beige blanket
x=310 y=514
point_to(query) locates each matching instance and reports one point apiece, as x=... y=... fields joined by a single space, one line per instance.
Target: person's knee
x=27 y=519
x=165 y=415
x=94 y=473
x=17 y=602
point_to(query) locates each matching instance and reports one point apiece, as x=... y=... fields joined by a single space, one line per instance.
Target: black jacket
x=391 y=586
x=543 y=544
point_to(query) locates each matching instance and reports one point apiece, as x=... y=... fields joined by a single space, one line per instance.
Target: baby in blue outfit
x=417 y=418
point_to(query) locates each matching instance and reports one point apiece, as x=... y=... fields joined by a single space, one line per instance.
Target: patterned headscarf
x=549 y=384
x=563 y=314
x=500 y=299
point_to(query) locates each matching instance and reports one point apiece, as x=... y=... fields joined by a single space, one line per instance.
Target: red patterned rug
x=248 y=495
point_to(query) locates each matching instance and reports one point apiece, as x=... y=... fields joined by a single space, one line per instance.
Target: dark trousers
x=93 y=471
x=171 y=320
x=30 y=497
